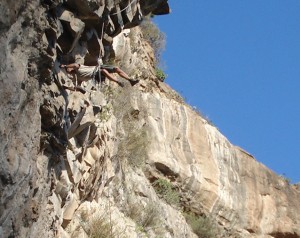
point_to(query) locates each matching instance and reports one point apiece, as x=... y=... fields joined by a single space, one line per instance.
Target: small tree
x=154 y=37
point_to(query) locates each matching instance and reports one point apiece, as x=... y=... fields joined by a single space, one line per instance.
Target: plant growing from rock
x=205 y=117
x=136 y=145
x=160 y=74
x=285 y=179
x=202 y=226
x=154 y=37
x=148 y=217
x=134 y=140
x=97 y=227
x=106 y=113
x=109 y=92
x=166 y=191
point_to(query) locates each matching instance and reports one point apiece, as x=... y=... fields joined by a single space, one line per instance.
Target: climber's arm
x=70 y=67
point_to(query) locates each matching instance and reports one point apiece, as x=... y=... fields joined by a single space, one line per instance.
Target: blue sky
x=238 y=62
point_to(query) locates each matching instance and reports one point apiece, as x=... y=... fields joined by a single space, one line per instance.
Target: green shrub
x=202 y=226
x=160 y=74
x=166 y=191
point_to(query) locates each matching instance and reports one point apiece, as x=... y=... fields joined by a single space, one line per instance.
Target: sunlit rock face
x=215 y=176
x=80 y=156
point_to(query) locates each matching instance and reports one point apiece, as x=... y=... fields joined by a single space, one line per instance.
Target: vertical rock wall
x=74 y=159
x=49 y=136
x=215 y=176
x=21 y=28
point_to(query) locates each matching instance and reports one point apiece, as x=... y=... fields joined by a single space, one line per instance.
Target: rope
x=100 y=83
x=101 y=37
x=123 y=8
x=102 y=31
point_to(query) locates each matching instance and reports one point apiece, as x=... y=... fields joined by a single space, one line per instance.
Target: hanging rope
x=99 y=62
x=98 y=67
x=123 y=8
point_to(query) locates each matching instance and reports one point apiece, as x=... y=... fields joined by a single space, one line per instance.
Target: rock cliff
x=106 y=161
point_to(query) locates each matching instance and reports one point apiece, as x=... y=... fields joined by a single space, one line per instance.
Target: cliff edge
x=110 y=161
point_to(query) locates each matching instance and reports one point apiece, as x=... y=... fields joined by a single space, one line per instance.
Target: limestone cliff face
x=216 y=177
x=110 y=161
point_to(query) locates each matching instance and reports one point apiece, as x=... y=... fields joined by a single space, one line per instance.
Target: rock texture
x=216 y=177
x=105 y=161
x=20 y=118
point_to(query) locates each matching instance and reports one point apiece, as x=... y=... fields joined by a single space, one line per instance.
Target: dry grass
x=134 y=139
x=166 y=191
x=147 y=217
x=154 y=37
x=203 y=226
x=97 y=226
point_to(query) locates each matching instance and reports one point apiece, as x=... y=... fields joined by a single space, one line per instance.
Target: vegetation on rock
x=203 y=226
x=154 y=36
x=166 y=191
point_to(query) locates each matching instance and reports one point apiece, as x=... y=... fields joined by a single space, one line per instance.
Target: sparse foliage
x=166 y=191
x=160 y=74
x=205 y=117
x=285 y=179
x=106 y=113
x=203 y=226
x=135 y=140
x=97 y=227
x=147 y=217
x=134 y=147
x=154 y=37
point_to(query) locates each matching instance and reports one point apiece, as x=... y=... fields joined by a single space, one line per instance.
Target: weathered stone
x=70 y=207
x=223 y=179
x=110 y=161
x=72 y=27
x=74 y=166
x=87 y=9
x=20 y=119
x=156 y=7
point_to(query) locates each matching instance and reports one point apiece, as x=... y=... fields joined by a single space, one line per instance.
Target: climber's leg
x=111 y=77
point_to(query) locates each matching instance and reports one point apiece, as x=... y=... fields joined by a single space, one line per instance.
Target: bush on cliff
x=202 y=226
x=154 y=37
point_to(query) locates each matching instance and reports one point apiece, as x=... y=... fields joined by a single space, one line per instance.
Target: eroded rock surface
x=214 y=176
x=75 y=157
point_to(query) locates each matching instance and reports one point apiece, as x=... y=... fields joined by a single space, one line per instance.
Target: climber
x=85 y=73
